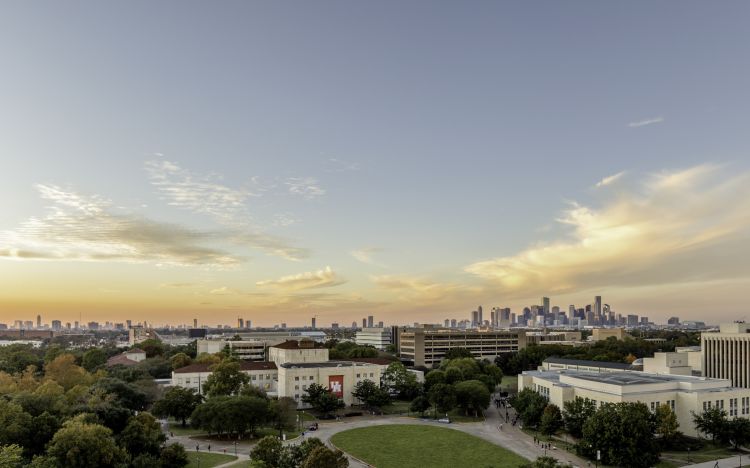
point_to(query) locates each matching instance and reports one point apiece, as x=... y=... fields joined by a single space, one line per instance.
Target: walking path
x=510 y=437
x=731 y=462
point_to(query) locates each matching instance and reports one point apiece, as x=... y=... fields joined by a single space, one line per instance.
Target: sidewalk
x=731 y=462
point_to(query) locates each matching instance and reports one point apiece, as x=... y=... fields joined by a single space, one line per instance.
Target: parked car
x=444 y=420
x=313 y=427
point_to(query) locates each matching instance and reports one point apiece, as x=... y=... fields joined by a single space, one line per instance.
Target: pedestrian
x=171 y=434
x=197 y=447
x=501 y=427
x=209 y=447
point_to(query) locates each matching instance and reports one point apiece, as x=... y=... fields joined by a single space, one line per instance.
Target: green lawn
x=397 y=407
x=510 y=383
x=406 y=446
x=207 y=460
x=708 y=453
x=176 y=428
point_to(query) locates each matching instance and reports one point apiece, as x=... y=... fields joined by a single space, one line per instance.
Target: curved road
x=510 y=437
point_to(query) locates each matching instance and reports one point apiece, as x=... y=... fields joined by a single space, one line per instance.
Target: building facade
x=379 y=338
x=726 y=353
x=426 y=346
x=253 y=350
x=685 y=395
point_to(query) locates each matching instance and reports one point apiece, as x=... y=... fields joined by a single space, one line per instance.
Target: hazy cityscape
x=332 y=234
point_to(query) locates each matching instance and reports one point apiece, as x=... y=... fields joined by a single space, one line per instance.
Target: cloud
x=675 y=226
x=305 y=187
x=90 y=228
x=420 y=289
x=644 y=122
x=77 y=227
x=199 y=194
x=312 y=279
x=338 y=165
x=365 y=255
x=609 y=180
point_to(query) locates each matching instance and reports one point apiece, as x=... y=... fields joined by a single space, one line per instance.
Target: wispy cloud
x=421 y=289
x=77 y=227
x=197 y=193
x=609 y=180
x=675 y=226
x=312 y=279
x=644 y=122
x=339 y=165
x=305 y=187
x=366 y=254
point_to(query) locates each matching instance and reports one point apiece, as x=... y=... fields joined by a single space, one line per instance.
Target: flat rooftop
x=583 y=362
x=631 y=378
x=317 y=365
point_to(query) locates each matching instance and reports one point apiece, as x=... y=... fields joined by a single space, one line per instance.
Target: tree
x=443 y=397
x=93 y=359
x=64 y=371
x=180 y=360
x=551 y=421
x=457 y=353
x=323 y=457
x=321 y=399
x=173 y=456
x=233 y=414
x=472 y=395
x=126 y=394
x=152 y=347
x=178 y=402
x=420 y=404
x=142 y=435
x=434 y=377
x=623 y=433
x=226 y=379
x=398 y=380
x=81 y=444
x=370 y=394
x=737 y=432
x=11 y=456
x=267 y=450
x=283 y=413
x=15 y=424
x=529 y=405
x=575 y=414
x=666 y=423
x=712 y=422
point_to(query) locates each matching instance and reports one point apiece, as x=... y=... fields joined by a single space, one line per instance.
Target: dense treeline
x=611 y=350
x=62 y=408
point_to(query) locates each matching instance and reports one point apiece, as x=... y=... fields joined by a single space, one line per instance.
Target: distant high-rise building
x=56 y=325
x=380 y=324
x=312 y=322
x=354 y=324
x=475 y=318
x=453 y=323
x=545 y=305
x=93 y=325
x=447 y=323
x=67 y=325
x=673 y=321
x=644 y=320
x=335 y=326
x=480 y=319
x=195 y=323
x=364 y=322
x=241 y=323
x=632 y=320
x=283 y=325
x=38 y=321
x=597 y=306
x=248 y=323
x=28 y=324
x=370 y=320
x=129 y=323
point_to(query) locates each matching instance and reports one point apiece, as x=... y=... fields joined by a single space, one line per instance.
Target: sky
x=276 y=161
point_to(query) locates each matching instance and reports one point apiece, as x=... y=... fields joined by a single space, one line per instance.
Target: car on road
x=313 y=427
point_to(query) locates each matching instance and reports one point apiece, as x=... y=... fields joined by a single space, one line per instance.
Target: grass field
x=707 y=453
x=207 y=460
x=407 y=446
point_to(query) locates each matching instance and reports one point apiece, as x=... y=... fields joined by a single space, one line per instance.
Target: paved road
x=731 y=462
x=510 y=437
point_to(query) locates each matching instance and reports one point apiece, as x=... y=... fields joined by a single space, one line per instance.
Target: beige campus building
x=726 y=353
x=292 y=367
x=684 y=394
x=426 y=346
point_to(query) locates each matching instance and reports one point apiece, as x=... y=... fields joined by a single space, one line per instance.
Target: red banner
x=336 y=385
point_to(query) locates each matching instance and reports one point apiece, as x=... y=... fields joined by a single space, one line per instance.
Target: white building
x=379 y=338
x=684 y=394
x=262 y=374
x=253 y=350
x=726 y=354
x=557 y=364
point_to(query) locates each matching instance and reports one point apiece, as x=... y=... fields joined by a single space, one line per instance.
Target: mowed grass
x=208 y=460
x=406 y=446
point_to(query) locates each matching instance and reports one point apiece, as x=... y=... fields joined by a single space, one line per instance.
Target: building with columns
x=726 y=353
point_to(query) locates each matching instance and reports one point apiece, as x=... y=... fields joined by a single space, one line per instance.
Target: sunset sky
x=408 y=160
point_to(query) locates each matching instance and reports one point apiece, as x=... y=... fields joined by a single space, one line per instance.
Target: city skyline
x=329 y=161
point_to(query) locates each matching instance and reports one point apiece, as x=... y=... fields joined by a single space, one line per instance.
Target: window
x=357 y=375
x=296 y=378
x=252 y=377
x=187 y=381
x=372 y=375
x=296 y=396
x=653 y=408
x=671 y=405
x=296 y=387
x=304 y=387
